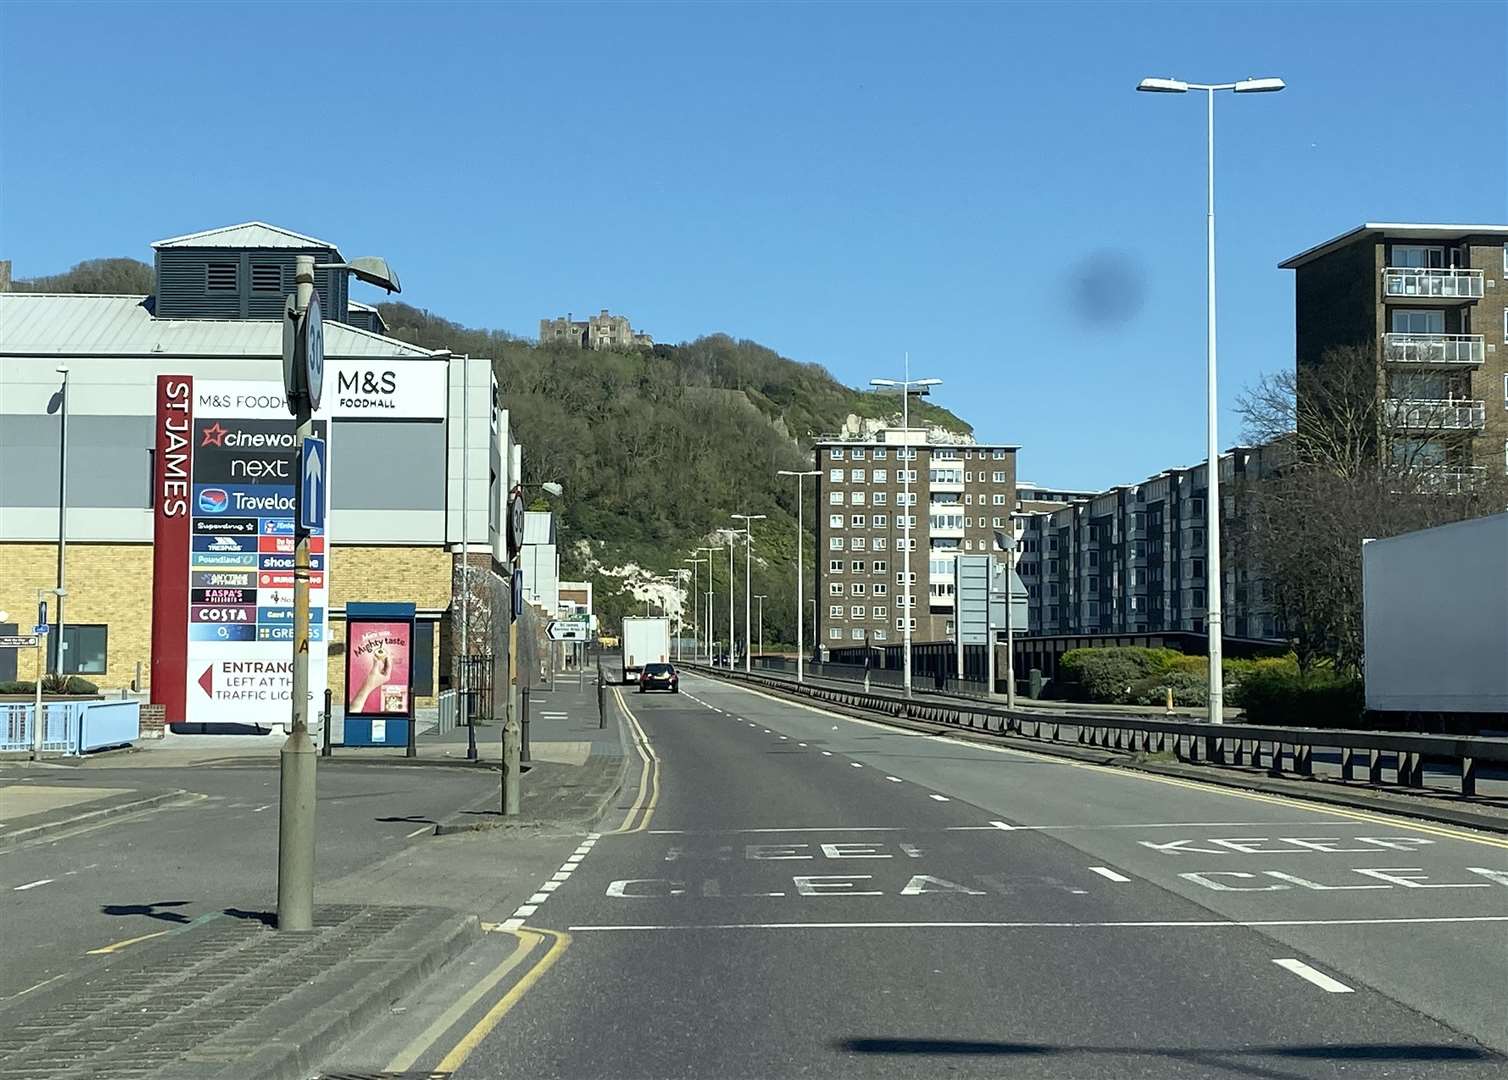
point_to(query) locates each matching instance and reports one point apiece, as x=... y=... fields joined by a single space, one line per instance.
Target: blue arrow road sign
x=313 y=472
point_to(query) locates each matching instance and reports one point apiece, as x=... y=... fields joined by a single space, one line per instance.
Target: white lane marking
x=939 y=798
x=784 y=738
x=894 y=779
x=573 y=861
x=797 y=829
x=539 y=898
x=523 y=911
x=561 y=875
x=594 y=836
x=855 y=764
x=1001 y=825
x=511 y=924
x=549 y=886
x=259 y=809
x=1318 y=978
x=33 y=884
x=1210 y=924
x=420 y=829
x=827 y=753
x=767 y=731
x=1106 y=872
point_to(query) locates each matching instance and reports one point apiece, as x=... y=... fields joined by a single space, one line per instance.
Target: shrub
x=18 y=687
x=66 y=684
x=1280 y=697
x=1104 y=675
x=1189 y=688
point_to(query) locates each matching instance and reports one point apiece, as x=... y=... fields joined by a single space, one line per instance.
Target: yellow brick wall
x=108 y=584
x=111 y=584
x=417 y=575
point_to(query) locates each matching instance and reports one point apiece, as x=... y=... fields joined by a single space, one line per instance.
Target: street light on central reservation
x=800 y=474
x=748 y=531
x=906 y=387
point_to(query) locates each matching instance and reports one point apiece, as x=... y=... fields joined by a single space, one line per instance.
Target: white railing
x=1443 y=415
x=1432 y=348
x=1425 y=282
x=1451 y=479
x=449 y=703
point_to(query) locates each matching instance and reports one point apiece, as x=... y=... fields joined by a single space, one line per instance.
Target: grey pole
x=62 y=591
x=1214 y=626
x=512 y=770
x=800 y=570
x=297 y=758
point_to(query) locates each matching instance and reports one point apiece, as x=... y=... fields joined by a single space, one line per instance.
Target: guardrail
x=1282 y=750
x=69 y=727
x=855 y=673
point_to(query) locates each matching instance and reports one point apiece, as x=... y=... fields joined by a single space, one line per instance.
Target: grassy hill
x=656 y=448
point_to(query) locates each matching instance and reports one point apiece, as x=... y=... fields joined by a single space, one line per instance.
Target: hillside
x=656 y=448
x=123 y=277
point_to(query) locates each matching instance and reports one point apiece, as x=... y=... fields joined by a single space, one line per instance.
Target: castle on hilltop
x=604 y=331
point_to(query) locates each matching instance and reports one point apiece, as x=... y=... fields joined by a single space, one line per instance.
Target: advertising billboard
x=379 y=666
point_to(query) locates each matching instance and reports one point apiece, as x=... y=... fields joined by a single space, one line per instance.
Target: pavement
x=137 y=893
x=793 y=892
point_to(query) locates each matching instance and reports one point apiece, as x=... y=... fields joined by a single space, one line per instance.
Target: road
x=801 y=894
x=126 y=882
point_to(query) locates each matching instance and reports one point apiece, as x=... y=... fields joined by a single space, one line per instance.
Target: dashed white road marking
x=419 y=830
x=856 y=765
x=33 y=884
x=539 y=898
x=939 y=798
x=259 y=809
x=784 y=738
x=894 y=779
x=511 y=924
x=549 y=886
x=1106 y=872
x=801 y=744
x=1318 y=978
x=1003 y=825
x=827 y=753
x=561 y=875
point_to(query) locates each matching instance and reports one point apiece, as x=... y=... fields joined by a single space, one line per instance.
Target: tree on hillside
x=1356 y=465
x=126 y=277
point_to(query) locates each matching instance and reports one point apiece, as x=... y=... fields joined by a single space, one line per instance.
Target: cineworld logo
x=236 y=437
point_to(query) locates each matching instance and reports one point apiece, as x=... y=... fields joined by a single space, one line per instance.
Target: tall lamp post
x=731 y=535
x=762 y=597
x=1213 y=619
x=60 y=403
x=748 y=530
x=800 y=475
x=696 y=604
x=711 y=565
x=906 y=386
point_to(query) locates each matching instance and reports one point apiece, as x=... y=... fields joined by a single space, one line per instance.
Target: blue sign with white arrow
x=313 y=473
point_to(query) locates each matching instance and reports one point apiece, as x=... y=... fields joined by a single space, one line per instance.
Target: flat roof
x=1402 y=230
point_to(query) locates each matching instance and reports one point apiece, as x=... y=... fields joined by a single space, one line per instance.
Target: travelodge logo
x=213 y=500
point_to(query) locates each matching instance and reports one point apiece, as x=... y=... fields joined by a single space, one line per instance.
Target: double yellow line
x=649 y=774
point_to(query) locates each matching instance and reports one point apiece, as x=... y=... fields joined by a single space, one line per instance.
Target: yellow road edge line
x=106 y=950
x=1377 y=817
x=623 y=826
x=443 y=1023
x=649 y=777
x=469 y=1042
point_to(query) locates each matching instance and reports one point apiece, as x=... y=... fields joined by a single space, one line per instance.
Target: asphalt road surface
x=800 y=894
x=63 y=900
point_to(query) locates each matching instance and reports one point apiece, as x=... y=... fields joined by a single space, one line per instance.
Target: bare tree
x=1355 y=464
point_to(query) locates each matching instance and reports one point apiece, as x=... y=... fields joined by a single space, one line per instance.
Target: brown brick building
x=1431 y=303
x=959 y=493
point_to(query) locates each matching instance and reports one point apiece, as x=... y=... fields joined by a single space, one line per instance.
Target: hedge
x=1320 y=699
x=1106 y=675
x=1130 y=675
x=50 y=685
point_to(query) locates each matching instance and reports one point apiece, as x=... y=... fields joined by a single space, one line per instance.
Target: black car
x=659 y=677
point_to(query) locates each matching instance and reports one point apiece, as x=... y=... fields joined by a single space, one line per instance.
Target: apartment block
x=955 y=496
x=1133 y=559
x=1428 y=301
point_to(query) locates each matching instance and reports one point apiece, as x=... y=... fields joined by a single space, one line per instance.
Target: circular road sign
x=516 y=521
x=312 y=348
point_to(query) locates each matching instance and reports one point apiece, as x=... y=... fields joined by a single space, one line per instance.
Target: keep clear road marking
x=1129 y=774
x=1106 y=872
x=1318 y=978
x=1207 y=924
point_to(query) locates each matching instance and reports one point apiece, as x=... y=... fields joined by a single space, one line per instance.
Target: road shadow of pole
x=151 y=910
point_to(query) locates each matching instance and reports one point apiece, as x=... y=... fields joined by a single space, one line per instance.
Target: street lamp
x=1213 y=619
x=731 y=534
x=906 y=387
x=696 y=600
x=711 y=588
x=761 y=598
x=799 y=474
x=59 y=404
x=748 y=531
x=681 y=574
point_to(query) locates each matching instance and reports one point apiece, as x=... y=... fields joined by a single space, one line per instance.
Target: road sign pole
x=297 y=761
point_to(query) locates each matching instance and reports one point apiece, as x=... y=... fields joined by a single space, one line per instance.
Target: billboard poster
x=235 y=565
x=379 y=667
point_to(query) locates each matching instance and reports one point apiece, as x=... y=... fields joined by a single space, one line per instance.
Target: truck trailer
x=645 y=641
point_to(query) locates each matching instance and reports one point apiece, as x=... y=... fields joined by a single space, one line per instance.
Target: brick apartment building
x=601 y=331
x=959 y=493
x=1431 y=303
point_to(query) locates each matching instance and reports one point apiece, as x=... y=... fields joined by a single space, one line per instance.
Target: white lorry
x=1435 y=619
x=645 y=641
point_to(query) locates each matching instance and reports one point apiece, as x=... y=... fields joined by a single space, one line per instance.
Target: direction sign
x=567 y=631
x=311 y=347
x=41 y=629
x=18 y=641
x=313 y=472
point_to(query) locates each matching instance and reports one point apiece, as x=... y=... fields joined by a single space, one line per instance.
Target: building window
x=835 y=475
x=857 y=588
x=878 y=567
x=1198 y=597
x=835 y=498
x=856 y=475
x=880 y=613
x=999 y=455
x=968 y=500
x=835 y=543
x=835 y=566
x=998 y=477
x=879 y=454
x=857 y=611
x=880 y=587
x=857 y=521
x=85 y=649
x=858 y=543
x=835 y=610
x=879 y=543
x=221 y=277
x=836 y=633
x=998 y=500
x=856 y=454
x=857 y=633
x=836 y=454
x=900 y=624
x=1094 y=609
x=880 y=476
x=857 y=566
x=879 y=635
x=878 y=521
x=879 y=499
x=835 y=588
x=968 y=477
x=834 y=521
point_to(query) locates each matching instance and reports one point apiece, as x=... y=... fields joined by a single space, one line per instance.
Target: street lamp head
x=798 y=472
x=550 y=487
x=883 y=382
x=1163 y=86
x=62 y=369
x=926 y=382
x=1259 y=86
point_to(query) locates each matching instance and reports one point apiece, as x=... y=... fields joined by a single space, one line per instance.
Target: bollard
x=523 y=712
x=325 y=740
x=471 y=753
x=1168 y=690
x=601 y=701
x=412 y=749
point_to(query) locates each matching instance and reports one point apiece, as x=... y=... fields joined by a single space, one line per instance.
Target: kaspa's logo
x=213 y=501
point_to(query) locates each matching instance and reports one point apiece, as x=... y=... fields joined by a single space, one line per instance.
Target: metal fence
x=1378 y=757
x=878 y=676
x=69 y=727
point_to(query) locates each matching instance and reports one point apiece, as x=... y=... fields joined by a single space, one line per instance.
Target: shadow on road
x=149 y=910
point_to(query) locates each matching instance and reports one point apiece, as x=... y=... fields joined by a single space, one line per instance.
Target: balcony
x=1410 y=414
x=1425 y=283
x=1451 y=479
x=1433 y=350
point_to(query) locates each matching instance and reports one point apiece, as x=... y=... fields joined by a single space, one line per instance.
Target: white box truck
x=1435 y=619
x=645 y=641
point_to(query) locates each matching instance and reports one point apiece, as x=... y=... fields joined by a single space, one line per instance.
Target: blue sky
x=977 y=184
